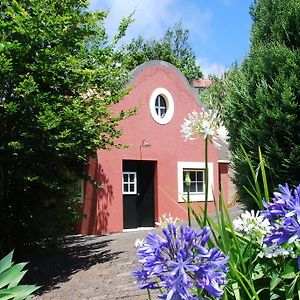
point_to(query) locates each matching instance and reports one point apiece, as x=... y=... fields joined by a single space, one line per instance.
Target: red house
x=146 y=180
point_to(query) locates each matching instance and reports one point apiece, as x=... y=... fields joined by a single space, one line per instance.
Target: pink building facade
x=145 y=180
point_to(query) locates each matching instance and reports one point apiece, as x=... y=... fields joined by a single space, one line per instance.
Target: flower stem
x=206 y=182
x=149 y=294
x=188 y=201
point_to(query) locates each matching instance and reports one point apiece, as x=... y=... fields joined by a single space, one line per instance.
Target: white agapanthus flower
x=253 y=225
x=139 y=242
x=206 y=123
x=274 y=250
x=165 y=220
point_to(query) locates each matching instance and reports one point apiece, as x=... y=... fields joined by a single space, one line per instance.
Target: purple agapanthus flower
x=284 y=215
x=179 y=264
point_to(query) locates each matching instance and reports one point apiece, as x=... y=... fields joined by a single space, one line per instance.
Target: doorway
x=138 y=193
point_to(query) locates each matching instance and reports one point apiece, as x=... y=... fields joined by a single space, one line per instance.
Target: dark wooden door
x=145 y=201
x=138 y=193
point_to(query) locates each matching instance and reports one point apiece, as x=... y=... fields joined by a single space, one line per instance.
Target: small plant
x=167 y=219
x=10 y=276
x=263 y=246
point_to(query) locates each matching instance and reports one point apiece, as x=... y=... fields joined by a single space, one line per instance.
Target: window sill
x=196 y=200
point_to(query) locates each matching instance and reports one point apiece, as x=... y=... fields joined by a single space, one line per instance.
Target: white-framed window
x=196 y=180
x=197 y=174
x=161 y=106
x=129 y=183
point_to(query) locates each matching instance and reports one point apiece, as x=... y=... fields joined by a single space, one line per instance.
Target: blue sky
x=219 y=29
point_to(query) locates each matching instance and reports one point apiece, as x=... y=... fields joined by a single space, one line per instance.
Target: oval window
x=161 y=106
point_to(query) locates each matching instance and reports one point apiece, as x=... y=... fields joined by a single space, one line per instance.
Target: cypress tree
x=262 y=101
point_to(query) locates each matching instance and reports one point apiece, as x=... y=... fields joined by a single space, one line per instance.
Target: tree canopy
x=58 y=75
x=173 y=47
x=261 y=98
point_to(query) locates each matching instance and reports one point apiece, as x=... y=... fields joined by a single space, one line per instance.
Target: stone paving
x=90 y=267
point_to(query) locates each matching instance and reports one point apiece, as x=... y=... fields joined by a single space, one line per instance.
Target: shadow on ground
x=49 y=266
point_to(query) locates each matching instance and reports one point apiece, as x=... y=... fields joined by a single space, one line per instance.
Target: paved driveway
x=90 y=267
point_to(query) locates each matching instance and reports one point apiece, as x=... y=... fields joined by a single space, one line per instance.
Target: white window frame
x=169 y=106
x=196 y=170
x=181 y=166
x=128 y=183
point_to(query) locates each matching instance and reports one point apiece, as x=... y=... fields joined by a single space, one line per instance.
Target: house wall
x=103 y=208
x=223 y=180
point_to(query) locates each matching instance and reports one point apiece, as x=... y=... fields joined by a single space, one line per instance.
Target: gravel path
x=90 y=267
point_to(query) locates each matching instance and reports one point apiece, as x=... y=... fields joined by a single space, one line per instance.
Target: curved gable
x=163 y=64
x=151 y=81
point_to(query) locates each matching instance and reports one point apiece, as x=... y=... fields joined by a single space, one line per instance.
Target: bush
x=262 y=99
x=10 y=276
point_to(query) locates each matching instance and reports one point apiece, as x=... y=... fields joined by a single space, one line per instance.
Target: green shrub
x=262 y=97
x=10 y=276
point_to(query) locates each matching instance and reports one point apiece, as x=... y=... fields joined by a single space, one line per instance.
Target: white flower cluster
x=274 y=250
x=139 y=242
x=165 y=220
x=206 y=123
x=253 y=225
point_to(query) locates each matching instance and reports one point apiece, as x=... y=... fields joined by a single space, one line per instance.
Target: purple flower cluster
x=180 y=265
x=284 y=215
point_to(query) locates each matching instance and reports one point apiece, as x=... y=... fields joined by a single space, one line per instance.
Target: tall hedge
x=262 y=96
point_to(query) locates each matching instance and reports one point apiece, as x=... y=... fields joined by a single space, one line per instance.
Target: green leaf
x=264 y=176
x=236 y=291
x=274 y=296
x=6 y=262
x=290 y=287
x=289 y=272
x=12 y=275
x=257 y=190
x=274 y=282
x=19 y=292
x=258 y=272
x=4 y=295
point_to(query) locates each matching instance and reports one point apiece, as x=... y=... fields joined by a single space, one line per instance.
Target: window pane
x=193 y=175
x=200 y=176
x=125 y=188
x=131 y=187
x=160 y=106
x=185 y=188
x=157 y=101
x=200 y=186
x=193 y=187
x=131 y=177
x=125 y=177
